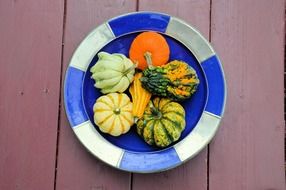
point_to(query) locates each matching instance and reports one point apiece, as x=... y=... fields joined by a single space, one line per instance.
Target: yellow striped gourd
x=113 y=113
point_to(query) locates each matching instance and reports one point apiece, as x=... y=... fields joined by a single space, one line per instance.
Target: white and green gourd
x=112 y=72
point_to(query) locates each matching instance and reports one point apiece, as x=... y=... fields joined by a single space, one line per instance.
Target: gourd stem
x=148 y=58
x=157 y=114
x=136 y=119
x=116 y=111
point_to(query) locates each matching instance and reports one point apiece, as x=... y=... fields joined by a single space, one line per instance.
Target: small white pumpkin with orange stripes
x=113 y=113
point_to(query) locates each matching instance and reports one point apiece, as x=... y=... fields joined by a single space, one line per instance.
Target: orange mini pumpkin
x=149 y=48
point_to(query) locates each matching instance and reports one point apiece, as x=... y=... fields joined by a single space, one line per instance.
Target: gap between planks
x=284 y=85
x=131 y=174
x=60 y=93
x=208 y=148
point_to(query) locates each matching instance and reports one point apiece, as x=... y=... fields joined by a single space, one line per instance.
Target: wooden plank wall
x=30 y=64
x=192 y=175
x=78 y=169
x=247 y=152
x=38 y=150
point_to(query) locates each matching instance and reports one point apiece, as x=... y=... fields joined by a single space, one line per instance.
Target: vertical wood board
x=248 y=151
x=30 y=64
x=77 y=168
x=193 y=174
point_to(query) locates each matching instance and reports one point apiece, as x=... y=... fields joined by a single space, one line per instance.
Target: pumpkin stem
x=148 y=58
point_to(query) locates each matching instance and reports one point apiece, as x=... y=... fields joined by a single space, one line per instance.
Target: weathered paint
x=247 y=152
x=30 y=51
x=77 y=168
x=193 y=174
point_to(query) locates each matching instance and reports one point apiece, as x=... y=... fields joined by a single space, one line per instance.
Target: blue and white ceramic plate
x=203 y=110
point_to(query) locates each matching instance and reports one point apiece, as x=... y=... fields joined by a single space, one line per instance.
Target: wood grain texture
x=78 y=169
x=30 y=61
x=193 y=174
x=247 y=152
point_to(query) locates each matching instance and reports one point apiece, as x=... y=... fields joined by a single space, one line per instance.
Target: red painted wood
x=248 y=152
x=78 y=169
x=193 y=174
x=30 y=61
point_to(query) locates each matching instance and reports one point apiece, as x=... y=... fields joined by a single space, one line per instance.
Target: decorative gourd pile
x=156 y=88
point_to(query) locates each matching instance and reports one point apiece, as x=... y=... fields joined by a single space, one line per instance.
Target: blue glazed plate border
x=175 y=163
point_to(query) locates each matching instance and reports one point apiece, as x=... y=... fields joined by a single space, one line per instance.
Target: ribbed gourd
x=140 y=96
x=176 y=80
x=162 y=123
x=113 y=113
x=112 y=72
